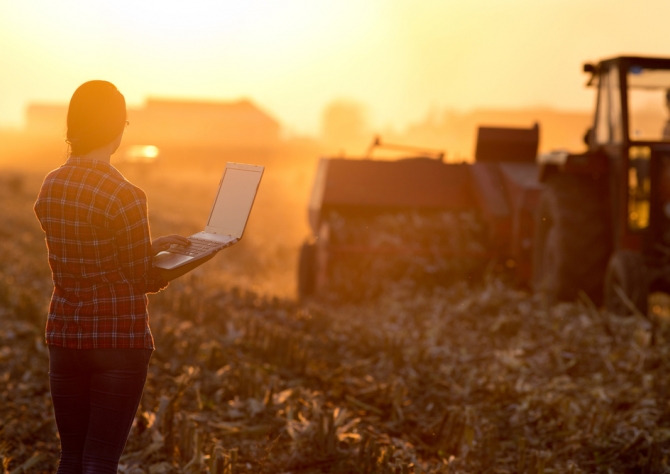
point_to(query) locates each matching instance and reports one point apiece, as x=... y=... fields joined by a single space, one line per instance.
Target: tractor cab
x=632 y=127
x=613 y=201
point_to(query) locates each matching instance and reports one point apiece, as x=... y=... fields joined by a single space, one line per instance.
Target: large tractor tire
x=626 y=272
x=572 y=238
x=307 y=271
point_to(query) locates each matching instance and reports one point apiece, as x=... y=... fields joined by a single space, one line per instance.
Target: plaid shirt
x=97 y=235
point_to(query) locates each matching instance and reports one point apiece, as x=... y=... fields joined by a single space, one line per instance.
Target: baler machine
x=501 y=188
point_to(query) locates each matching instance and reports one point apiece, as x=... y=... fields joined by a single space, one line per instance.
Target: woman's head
x=96 y=116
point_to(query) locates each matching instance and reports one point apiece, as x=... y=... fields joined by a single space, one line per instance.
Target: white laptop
x=227 y=220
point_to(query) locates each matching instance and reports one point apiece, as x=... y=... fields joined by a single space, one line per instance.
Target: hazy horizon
x=399 y=59
x=344 y=127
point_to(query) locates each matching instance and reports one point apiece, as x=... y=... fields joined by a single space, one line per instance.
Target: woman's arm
x=137 y=249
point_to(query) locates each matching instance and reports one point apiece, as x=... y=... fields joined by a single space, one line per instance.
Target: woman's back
x=99 y=245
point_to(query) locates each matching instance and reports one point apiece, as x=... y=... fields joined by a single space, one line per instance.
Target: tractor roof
x=644 y=61
x=626 y=61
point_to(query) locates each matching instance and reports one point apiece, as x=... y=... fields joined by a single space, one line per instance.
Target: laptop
x=227 y=220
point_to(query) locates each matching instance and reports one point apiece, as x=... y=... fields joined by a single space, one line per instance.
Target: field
x=463 y=379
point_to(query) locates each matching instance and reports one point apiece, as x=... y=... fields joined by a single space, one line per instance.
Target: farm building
x=238 y=124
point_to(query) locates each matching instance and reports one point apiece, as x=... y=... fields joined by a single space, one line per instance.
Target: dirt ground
x=467 y=378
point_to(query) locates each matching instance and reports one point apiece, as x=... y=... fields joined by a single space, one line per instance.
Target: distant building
x=456 y=132
x=239 y=124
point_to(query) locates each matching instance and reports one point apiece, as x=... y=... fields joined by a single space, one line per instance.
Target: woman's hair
x=95 y=117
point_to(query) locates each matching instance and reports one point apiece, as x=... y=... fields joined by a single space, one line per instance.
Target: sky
x=400 y=59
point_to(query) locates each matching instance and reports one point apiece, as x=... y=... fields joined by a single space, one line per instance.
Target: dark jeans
x=95 y=394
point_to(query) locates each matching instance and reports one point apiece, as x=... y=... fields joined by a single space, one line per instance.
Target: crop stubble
x=455 y=379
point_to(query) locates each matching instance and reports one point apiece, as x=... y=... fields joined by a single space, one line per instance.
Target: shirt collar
x=99 y=164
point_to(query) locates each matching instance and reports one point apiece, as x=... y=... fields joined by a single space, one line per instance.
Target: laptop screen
x=234 y=200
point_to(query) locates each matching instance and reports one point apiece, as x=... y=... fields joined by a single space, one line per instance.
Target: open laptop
x=227 y=220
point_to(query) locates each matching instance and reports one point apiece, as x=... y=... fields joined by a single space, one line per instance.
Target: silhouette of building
x=456 y=132
x=239 y=124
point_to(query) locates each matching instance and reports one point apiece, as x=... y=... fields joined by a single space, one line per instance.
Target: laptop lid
x=236 y=194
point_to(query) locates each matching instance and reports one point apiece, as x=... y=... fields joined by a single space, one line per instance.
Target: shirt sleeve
x=133 y=242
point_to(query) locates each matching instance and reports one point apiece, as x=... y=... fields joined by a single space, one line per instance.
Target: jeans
x=95 y=394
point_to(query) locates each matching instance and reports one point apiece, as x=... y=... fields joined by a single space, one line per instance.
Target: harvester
x=595 y=223
x=488 y=206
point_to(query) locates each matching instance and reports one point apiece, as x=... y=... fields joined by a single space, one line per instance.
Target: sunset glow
x=142 y=153
x=457 y=258
x=397 y=58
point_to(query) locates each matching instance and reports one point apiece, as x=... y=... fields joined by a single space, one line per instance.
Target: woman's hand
x=163 y=243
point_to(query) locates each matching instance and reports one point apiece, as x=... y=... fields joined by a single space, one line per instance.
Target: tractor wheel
x=307 y=271
x=626 y=271
x=572 y=238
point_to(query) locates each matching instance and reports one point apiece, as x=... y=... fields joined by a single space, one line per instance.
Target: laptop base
x=167 y=260
x=169 y=275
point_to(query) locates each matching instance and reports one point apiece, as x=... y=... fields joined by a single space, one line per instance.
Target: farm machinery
x=595 y=223
x=371 y=219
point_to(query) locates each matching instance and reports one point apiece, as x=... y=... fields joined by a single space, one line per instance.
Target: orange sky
x=401 y=58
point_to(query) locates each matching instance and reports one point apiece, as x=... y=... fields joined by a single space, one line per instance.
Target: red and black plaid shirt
x=97 y=234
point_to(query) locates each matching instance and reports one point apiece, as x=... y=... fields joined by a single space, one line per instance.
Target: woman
x=100 y=253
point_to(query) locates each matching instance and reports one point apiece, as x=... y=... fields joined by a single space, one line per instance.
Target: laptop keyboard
x=197 y=247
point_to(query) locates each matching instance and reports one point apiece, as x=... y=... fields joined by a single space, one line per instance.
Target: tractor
x=603 y=219
x=595 y=224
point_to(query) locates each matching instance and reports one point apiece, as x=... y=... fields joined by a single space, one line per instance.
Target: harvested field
x=462 y=379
